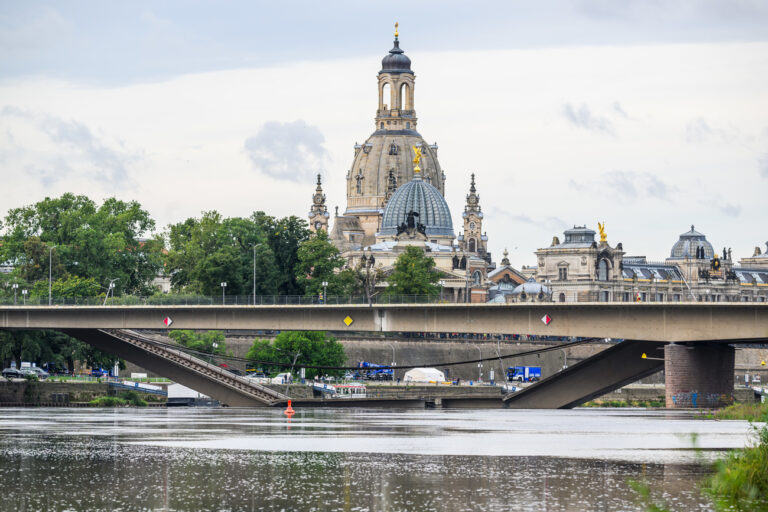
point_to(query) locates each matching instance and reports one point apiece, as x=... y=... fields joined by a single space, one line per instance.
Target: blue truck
x=372 y=371
x=523 y=373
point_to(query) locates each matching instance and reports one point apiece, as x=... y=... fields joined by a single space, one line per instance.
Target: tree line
x=79 y=248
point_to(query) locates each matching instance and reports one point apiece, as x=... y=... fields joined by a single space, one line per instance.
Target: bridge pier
x=698 y=375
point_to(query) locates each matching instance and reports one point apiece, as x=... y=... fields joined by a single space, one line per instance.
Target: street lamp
x=393 y=360
x=24 y=294
x=254 y=272
x=110 y=288
x=50 y=275
x=223 y=288
x=15 y=287
x=479 y=365
x=442 y=284
x=325 y=292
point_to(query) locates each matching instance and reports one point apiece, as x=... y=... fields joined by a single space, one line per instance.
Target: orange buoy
x=289 y=410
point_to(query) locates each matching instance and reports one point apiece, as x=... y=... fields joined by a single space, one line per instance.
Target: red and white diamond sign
x=167 y=321
x=546 y=319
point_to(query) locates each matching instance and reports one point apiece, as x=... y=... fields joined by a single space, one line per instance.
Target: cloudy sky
x=648 y=115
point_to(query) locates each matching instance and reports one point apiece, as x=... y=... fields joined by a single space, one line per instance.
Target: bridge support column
x=698 y=375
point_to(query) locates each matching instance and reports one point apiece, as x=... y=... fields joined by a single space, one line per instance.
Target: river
x=355 y=459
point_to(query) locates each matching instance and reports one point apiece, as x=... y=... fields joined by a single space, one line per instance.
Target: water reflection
x=349 y=459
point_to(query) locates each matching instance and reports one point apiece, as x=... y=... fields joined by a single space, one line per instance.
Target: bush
x=750 y=412
x=741 y=480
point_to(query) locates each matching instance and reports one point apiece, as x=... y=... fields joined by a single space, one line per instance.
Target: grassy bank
x=750 y=412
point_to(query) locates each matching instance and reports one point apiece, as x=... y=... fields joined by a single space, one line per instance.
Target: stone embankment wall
x=26 y=392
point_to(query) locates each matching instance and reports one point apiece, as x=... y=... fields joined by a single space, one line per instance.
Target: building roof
x=396 y=61
x=752 y=275
x=422 y=198
x=578 y=236
x=686 y=246
x=650 y=271
x=531 y=287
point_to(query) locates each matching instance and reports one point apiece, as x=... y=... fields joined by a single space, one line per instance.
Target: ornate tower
x=318 y=214
x=382 y=163
x=473 y=240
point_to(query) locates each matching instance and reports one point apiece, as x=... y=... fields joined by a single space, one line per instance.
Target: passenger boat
x=350 y=391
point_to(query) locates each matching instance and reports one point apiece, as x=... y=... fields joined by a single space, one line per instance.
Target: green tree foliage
x=413 y=274
x=319 y=260
x=210 y=250
x=315 y=348
x=89 y=241
x=67 y=287
x=211 y=342
x=46 y=346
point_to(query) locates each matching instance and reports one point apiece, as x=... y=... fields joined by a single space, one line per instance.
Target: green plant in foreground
x=646 y=500
x=741 y=479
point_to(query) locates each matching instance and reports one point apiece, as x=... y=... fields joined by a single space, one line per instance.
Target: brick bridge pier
x=699 y=375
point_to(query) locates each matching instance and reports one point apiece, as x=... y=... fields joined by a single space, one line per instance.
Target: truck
x=523 y=373
x=373 y=371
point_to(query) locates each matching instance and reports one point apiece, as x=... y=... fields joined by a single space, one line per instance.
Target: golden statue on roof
x=396 y=25
x=417 y=158
x=603 y=236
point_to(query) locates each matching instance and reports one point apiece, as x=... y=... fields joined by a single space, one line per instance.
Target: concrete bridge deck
x=662 y=322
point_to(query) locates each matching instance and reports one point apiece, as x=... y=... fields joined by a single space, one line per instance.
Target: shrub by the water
x=125 y=399
x=750 y=412
x=741 y=479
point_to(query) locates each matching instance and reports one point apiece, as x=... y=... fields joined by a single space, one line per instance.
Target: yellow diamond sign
x=348 y=320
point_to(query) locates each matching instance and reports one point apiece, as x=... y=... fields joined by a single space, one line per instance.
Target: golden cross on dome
x=396 y=25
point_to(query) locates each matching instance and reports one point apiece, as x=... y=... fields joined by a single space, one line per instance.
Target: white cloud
x=287 y=151
x=583 y=117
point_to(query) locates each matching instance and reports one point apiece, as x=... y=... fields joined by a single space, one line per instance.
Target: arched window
x=407 y=125
x=403 y=99
x=477 y=277
x=471 y=245
x=382 y=125
x=562 y=297
x=602 y=270
x=386 y=96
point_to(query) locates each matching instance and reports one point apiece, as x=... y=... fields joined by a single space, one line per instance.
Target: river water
x=355 y=459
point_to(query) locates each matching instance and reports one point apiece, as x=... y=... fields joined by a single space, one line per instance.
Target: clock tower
x=473 y=240
x=318 y=213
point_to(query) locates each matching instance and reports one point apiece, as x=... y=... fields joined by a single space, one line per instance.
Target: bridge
x=663 y=322
x=691 y=341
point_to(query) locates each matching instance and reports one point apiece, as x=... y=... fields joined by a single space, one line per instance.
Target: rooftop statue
x=603 y=236
x=417 y=158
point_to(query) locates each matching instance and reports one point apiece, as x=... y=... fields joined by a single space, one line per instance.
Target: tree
x=413 y=274
x=210 y=250
x=68 y=287
x=85 y=240
x=313 y=348
x=210 y=342
x=284 y=237
x=319 y=261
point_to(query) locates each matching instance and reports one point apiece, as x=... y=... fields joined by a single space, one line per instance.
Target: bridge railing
x=228 y=300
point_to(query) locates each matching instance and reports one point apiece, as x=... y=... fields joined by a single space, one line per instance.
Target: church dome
x=396 y=61
x=422 y=198
x=687 y=245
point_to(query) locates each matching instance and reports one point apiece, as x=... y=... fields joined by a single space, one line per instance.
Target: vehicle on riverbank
x=13 y=373
x=350 y=391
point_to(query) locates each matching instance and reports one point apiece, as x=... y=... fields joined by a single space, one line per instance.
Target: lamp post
x=110 y=288
x=15 y=287
x=442 y=284
x=479 y=365
x=254 y=272
x=24 y=295
x=50 y=275
x=393 y=360
x=223 y=288
x=325 y=292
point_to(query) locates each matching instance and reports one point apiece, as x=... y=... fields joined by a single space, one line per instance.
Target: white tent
x=424 y=375
x=178 y=391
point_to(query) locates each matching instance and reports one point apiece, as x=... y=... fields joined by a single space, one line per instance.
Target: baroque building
x=395 y=192
x=581 y=269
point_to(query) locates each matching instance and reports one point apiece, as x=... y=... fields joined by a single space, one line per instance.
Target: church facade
x=395 y=192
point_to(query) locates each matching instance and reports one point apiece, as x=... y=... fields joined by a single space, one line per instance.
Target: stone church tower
x=318 y=214
x=383 y=162
x=473 y=240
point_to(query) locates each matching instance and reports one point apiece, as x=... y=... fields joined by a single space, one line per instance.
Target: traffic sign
x=167 y=321
x=546 y=319
x=348 y=320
